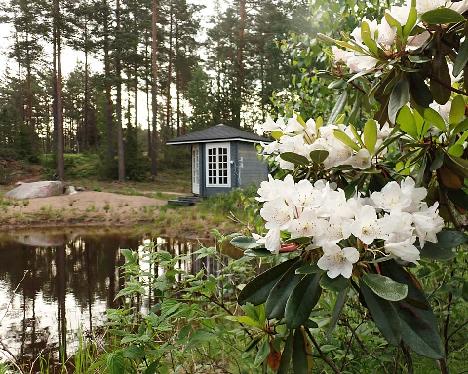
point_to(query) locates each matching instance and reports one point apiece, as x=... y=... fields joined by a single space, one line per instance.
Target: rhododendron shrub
x=359 y=199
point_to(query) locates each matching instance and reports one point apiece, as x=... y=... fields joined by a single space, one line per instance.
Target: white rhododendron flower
x=366 y=226
x=394 y=216
x=423 y=6
x=404 y=250
x=301 y=139
x=428 y=223
x=338 y=261
x=358 y=63
x=401 y=197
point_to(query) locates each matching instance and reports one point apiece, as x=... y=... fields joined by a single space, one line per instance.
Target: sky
x=70 y=57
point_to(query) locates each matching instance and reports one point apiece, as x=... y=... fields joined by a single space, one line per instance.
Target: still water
x=57 y=284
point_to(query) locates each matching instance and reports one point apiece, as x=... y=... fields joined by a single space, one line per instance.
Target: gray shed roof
x=218 y=133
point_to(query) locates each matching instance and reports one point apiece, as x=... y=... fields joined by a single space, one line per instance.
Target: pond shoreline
x=143 y=228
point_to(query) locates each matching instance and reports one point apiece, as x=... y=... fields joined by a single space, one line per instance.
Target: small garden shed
x=223 y=158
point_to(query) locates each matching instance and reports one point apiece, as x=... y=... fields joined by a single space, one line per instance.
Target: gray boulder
x=36 y=190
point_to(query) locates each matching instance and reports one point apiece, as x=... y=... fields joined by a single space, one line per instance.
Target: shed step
x=180 y=203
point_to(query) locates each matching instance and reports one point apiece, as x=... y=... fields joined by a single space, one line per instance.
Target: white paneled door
x=196 y=169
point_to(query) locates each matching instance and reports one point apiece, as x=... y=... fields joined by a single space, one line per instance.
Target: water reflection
x=54 y=284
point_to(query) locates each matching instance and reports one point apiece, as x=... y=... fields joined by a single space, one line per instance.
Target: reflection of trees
x=86 y=267
x=86 y=257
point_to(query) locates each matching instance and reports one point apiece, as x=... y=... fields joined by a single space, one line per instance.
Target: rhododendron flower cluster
x=362 y=54
x=389 y=222
x=302 y=139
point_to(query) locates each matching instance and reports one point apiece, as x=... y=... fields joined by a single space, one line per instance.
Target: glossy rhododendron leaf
x=385 y=287
x=384 y=315
x=301 y=362
x=302 y=300
x=461 y=60
x=420 y=93
x=319 y=156
x=286 y=355
x=440 y=79
x=295 y=158
x=337 y=309
x=279 y=294
x=398 y=98
x=244 y=242
x=419 y=328
x=257 y=290
x=334 y=284
x=338 y=108
x=442 y=16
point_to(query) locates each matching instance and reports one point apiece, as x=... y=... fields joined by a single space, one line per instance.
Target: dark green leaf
x=295 y=158
x=151 y=369
x=302 y=300
x=300 y=362
x=244 y=242
x=286 y=355
x=442 y=16
x=458 y=197
x=461 y=60
x=438 y=160
x=451 y=238
x=385 y=287
x=419 y=328
x=339 y=304
x=308 y=269
x=257 y=290
x=319 y=156
x=257 y=252
x=440 y=79
x=279 y=294
x=434 y=251
x=398 y=98
x=384 y=315
x=338 y=108
x=336 y=284
x=420 y=93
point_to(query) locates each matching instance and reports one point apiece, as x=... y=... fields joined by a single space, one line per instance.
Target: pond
x=57 y=284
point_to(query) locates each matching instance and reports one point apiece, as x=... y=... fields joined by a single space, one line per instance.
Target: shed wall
x=252 y=170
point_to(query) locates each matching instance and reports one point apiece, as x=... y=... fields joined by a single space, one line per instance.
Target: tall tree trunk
x=240 y=64
x=154 y=87
x=177 y=66
x=118 y=73
x=86 y=128
x=58 y=91
x=169 y=79
x=108 y=86
x=147 y=91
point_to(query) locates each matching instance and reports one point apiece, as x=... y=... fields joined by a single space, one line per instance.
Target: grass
x=167 y=184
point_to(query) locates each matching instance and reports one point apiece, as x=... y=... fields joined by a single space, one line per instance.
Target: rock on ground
x=36 y=190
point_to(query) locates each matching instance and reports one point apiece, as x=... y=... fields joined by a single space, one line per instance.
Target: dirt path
x=83 y=207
